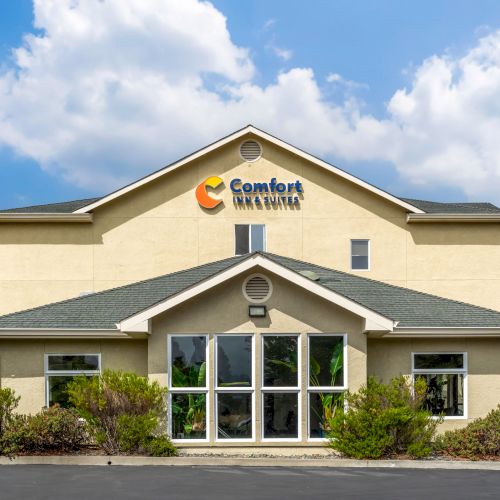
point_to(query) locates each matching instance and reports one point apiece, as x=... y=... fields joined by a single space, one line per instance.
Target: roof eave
x=46 y=217
x=433 y=217
x=250 y=129
x=373 y=320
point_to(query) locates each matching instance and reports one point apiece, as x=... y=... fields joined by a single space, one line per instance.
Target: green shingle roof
x=434 y=207
x=65 y=207
x=103 y=310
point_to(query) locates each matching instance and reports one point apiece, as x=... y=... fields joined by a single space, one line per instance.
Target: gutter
x=44 y=217
x=443 y=332
x=453 y=218
x=62 y=333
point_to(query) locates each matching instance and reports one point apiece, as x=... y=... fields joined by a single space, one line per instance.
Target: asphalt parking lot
x=118 y=482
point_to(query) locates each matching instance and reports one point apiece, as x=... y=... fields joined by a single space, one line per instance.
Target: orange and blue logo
x=205 y=199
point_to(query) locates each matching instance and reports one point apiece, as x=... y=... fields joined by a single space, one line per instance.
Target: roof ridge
x=121 y=287
x=371 y=280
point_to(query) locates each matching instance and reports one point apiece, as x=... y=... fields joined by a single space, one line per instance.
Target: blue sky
x=359 y=54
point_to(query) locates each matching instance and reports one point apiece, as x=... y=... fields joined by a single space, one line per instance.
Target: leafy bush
x=8 y=403
x=52 y=429
x=478 y=440
x=160 y=446
x=384 y=420
x=123 y=410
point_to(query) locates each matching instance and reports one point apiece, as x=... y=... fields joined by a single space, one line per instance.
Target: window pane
x=234 y=416
x=257 y=237
x=322 y=407
x=189 y=416
x=445 y=394
x=326 y=361
x=57 y=390
x=242 y=238
x=280 y=415
x=234 y=361
x=280 y=361
x=359 y=247
x=78 y=362
x=188 y=358
x=439 y=361
x=359 y=262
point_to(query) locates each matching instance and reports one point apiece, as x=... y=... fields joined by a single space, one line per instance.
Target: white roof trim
x=45 y=217
x=443 y=332
x=263 y=135
x=375 y=320
x=433 y=217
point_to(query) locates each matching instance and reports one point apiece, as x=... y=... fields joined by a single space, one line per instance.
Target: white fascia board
x=375 y=320
x=263 y=135
x=45 y=217
x=63 y=333
x=443 y=332
x=452 y=218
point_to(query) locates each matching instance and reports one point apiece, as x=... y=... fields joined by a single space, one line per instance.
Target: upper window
x=444 y=374
x=249 y=238
x=60 y=369
x=360 y=255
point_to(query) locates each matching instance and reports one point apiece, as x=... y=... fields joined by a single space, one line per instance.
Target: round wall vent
x=257 y=288
x=250 y=151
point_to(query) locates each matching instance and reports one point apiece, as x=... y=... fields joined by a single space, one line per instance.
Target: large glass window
x=249 y=238
x=234 y=388
x=280 y=390
x=360 y=255
x=60 y=369
x=326 y=381
x=444 y=374
x=188 y=386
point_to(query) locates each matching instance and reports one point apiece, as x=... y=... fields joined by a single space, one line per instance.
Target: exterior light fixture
x=257 y=311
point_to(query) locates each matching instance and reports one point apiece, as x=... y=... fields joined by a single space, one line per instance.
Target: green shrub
x=384 y=420
x=160 y=446
x=52 y=429
x=123 y=410
x=478 y=440
x=8 y=403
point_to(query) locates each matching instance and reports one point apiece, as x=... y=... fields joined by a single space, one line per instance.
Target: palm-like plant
x=194 y=376
x=329 y=401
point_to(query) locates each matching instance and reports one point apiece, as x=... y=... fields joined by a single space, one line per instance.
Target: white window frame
x=66 y=373
x=234 y=390
x=189 y=390
x=281 y=390
x=355 y=240
x=264 y=238
x=436 y=371
x=311 y=389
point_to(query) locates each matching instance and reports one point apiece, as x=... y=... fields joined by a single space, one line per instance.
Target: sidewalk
x=215 y=461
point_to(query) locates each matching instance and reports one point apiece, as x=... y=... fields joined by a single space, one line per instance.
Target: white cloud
x=285 y=54
x=112 y=90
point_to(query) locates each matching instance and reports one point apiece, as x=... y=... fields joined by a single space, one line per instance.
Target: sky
x=97 y=93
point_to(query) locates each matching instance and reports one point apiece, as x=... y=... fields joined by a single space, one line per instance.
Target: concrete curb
x=248 y=462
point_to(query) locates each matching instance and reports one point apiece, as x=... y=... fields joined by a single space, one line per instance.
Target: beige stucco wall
x=160 y=228
x=389 y=358
x=290 y=310
x=22 y=363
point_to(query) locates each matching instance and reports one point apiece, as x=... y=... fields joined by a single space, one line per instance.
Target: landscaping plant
x=478 y=440
x=52 y=429
x=329 y=401
x=124 y=412
x=384 y=420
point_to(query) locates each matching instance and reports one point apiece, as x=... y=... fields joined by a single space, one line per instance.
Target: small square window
x=249 y=238
x=360 y=255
